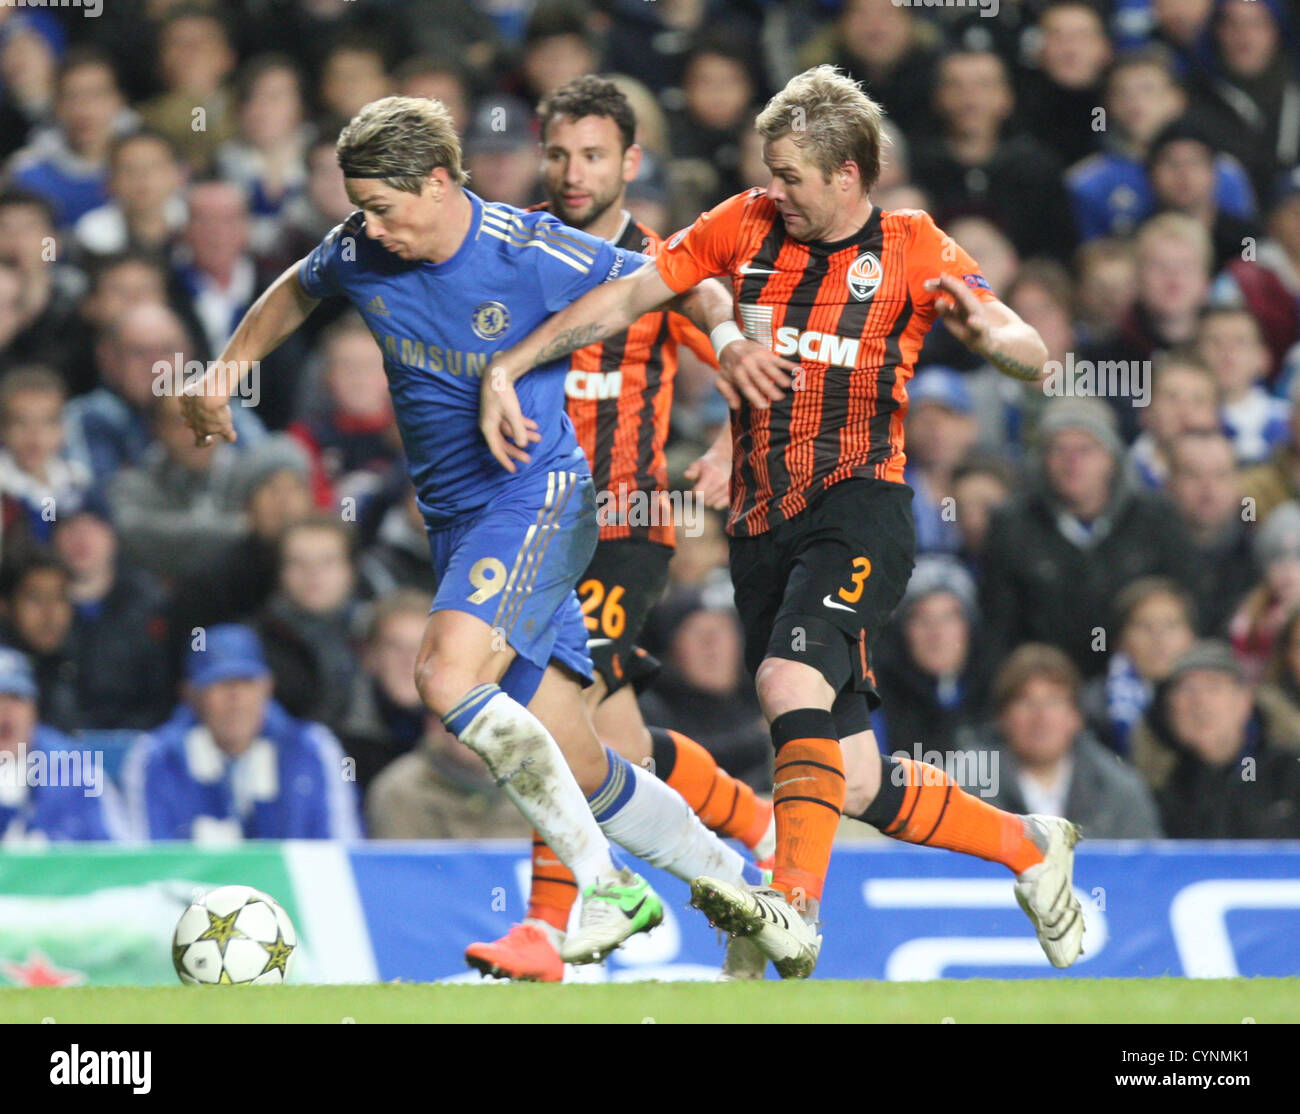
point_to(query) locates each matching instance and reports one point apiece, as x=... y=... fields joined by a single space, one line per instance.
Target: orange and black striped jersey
x=852 y=313
x=619 y=397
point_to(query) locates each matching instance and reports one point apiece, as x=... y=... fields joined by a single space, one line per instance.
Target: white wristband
x=724 y=334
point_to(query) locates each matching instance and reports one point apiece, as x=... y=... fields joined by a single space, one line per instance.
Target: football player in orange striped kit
x=619 y=394
x=834 y=298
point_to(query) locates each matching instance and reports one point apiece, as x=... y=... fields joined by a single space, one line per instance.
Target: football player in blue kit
x=445 y=280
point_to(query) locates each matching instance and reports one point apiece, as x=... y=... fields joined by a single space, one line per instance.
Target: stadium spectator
x=178 y=501
x=557 y=48
x=501 y=151
x=1280 y=252
x=267 y=159
x=34 y=472
x=440 y=790
x=110 y=427
x=1222 y=760
x=271 y=485
x=1283 y=670
x=50 y=289
x=398 y=557
x=1059 y=99
x=68 y=165
x=309 y=214
x=1180 y=165
x=941 y=430
x=353 y=73
x=1106 y=288
x=1155 y=626
x=1058 y=554
x=1246 y=98
x=1184 y=399
x=1274 y=481
x=385 y=717
x=350 y=434
x=1174 y=255
x=306 y=625
x=146 y=209
x=28 y=70
x=1049 y=763
x=891 y=50
x=1229 y=341
x=718 y=91
x=231 y=763
x=1205 y=486
x=933 y=683
x=216 y=270
x=119 y=637
x=40 y=809
x=1110 y=191
x=981 y=484
x=117 y=283
x=196 y=59
x=704 y=691
x=1254 y=626
x=38 y=618
x=975 y=168
x=438 y=78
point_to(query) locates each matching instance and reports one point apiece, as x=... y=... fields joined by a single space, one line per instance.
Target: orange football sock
x=554 y=888
x=937 y=812
x=808 y=795
x=723 y=803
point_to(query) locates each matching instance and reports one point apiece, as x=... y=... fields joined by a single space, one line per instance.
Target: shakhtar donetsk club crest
x=864 y=276
x=490 y=320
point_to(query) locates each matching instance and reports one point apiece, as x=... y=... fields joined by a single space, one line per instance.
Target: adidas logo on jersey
x=377 y=307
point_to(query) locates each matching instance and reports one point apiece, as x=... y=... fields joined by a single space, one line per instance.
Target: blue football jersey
x=439 y=325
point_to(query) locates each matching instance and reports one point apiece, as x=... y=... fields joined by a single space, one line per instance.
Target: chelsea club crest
x=490 y=320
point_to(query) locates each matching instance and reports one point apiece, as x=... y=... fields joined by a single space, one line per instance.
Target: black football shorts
x=819 y=587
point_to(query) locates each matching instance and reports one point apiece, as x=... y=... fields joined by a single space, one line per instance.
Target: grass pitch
x=1163 y=1000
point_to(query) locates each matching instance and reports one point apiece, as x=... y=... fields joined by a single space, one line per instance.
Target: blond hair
x=1176 y=226
x=827 y=114
x=401 y=140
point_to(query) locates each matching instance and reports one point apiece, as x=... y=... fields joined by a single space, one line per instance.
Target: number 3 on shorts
x=488 y=575
x=861 y=570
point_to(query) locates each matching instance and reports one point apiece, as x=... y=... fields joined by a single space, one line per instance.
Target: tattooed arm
x=991 y=330
x=604 y=311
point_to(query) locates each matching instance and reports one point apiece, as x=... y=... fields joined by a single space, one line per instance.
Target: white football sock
x=642 y=814
x=531 y=770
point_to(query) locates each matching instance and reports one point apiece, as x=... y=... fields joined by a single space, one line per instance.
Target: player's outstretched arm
x=603 y=311
x=990 y=329
x=277 y=313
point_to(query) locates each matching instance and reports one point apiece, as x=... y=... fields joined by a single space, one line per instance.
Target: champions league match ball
x=234 y=935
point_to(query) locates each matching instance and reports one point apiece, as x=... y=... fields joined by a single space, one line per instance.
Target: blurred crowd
x=1107 y=596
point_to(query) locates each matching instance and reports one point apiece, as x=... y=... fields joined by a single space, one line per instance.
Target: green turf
x=967 y=1001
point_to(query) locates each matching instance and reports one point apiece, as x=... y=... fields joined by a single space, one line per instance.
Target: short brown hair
x=401 y=140
x=828 y=115
x=34 y=378
x=589 y=95
x=1138 y=592
x=1034 y=661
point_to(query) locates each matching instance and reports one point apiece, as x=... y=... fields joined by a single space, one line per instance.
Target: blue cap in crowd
x=942 y=385
x=230 y=653
x=16 y=677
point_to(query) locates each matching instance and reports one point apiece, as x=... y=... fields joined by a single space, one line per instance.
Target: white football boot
x=1046 y=890
x=766 y=917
